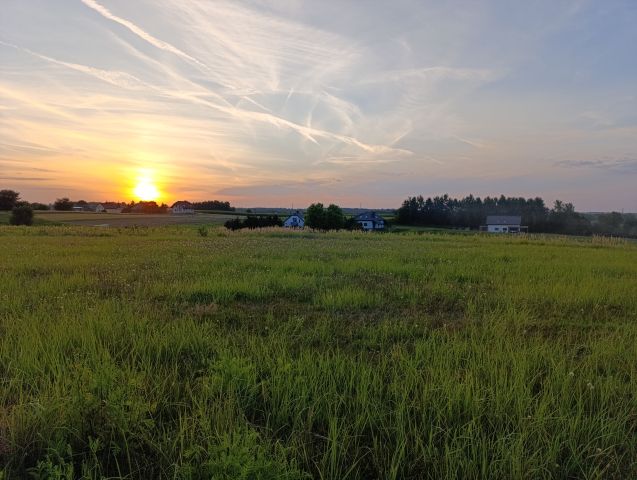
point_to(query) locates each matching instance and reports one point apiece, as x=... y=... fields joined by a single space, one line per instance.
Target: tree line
x=471 y=212
x=213 y=205
x=254 y=221
x=317 y=217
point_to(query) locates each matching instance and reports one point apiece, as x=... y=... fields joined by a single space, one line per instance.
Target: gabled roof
x=182 y=203
x=369 y=217
x=504 y=220
x=296 y=214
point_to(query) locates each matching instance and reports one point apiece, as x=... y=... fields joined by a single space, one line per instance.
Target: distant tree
x=630 y=225
x=315 y=216
x=39 y=206
x=253 y=222
x=610 y=223
x=21 y=215
x=320 y=218
x=234 y=224
x=8 y=199
x=564 y=219
x=148 y=208
x=213 y=205
x=334 y=218
x=63 y=204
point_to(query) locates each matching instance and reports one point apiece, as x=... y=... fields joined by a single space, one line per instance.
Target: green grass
x=37 y=219
x=127 y=219
x=159 y=353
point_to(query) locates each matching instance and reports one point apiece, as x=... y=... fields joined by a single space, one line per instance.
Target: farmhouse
x=504 y=224
x=182 y=207
x=295 y=220
x=370 y=221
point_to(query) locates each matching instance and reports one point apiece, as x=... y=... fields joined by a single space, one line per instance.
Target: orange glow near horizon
x=145 y=189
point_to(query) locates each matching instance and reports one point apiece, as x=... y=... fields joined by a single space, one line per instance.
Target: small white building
x=370 y=221
x=504 y=224
x=182 y=207
x=295 y=220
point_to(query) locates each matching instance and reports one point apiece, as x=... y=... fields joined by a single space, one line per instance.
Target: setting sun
x=146 y=190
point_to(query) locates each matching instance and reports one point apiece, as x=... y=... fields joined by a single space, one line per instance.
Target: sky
x=288 y=102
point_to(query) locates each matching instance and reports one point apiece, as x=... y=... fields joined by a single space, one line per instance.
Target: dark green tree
x=63 y=204
x=334 y=218
x=315 y=216
x=21 y=215
x=39 y=206
x=8 y=199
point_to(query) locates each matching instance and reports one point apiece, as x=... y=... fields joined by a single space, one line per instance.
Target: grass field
x=147 y=353
x=130 y=219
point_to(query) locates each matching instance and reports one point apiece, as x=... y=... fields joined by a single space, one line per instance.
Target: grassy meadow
x=178 y=352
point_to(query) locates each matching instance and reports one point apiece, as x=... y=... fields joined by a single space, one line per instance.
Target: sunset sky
x=269 y=103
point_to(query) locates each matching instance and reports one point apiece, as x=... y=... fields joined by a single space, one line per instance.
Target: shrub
x=63 y=204
x=253 y=222
x=21 y=215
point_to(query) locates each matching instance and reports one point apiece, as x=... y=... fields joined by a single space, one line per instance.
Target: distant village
x=366 y=220
x=503 y=215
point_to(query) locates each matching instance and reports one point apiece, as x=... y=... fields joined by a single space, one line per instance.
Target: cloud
x=116 y=78
x=162 y=45
x=618 y=165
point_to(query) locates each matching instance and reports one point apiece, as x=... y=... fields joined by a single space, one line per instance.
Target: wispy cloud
x=618 y=165
x=162 y=45
x=254 y=95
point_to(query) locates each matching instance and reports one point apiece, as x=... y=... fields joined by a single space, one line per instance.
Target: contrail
x=119 y=79
x=106 y=13
x=130 y=82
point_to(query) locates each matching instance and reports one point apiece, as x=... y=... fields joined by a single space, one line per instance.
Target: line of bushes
x=253 y=222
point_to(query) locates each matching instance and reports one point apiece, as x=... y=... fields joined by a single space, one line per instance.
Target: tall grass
x=160 y=353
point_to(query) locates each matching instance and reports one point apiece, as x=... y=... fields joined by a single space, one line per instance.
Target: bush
x=253 y=222
x=39 y=206
x=63 y=204
x=21 y=215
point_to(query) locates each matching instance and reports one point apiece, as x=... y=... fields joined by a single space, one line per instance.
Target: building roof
x=369 y=216
x=182 y=203
x=296 y=214
x=504 y=220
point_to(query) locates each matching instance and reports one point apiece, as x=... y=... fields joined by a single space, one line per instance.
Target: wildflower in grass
x=571 y=373
x=589 y=385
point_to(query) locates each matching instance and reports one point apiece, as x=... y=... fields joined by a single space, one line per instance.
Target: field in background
x=163 y=353
x=131 y=219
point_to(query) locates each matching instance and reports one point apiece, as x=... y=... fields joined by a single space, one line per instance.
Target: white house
x=370 y=221
x=504 y=224
x=182 y=207
x=295 y=220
